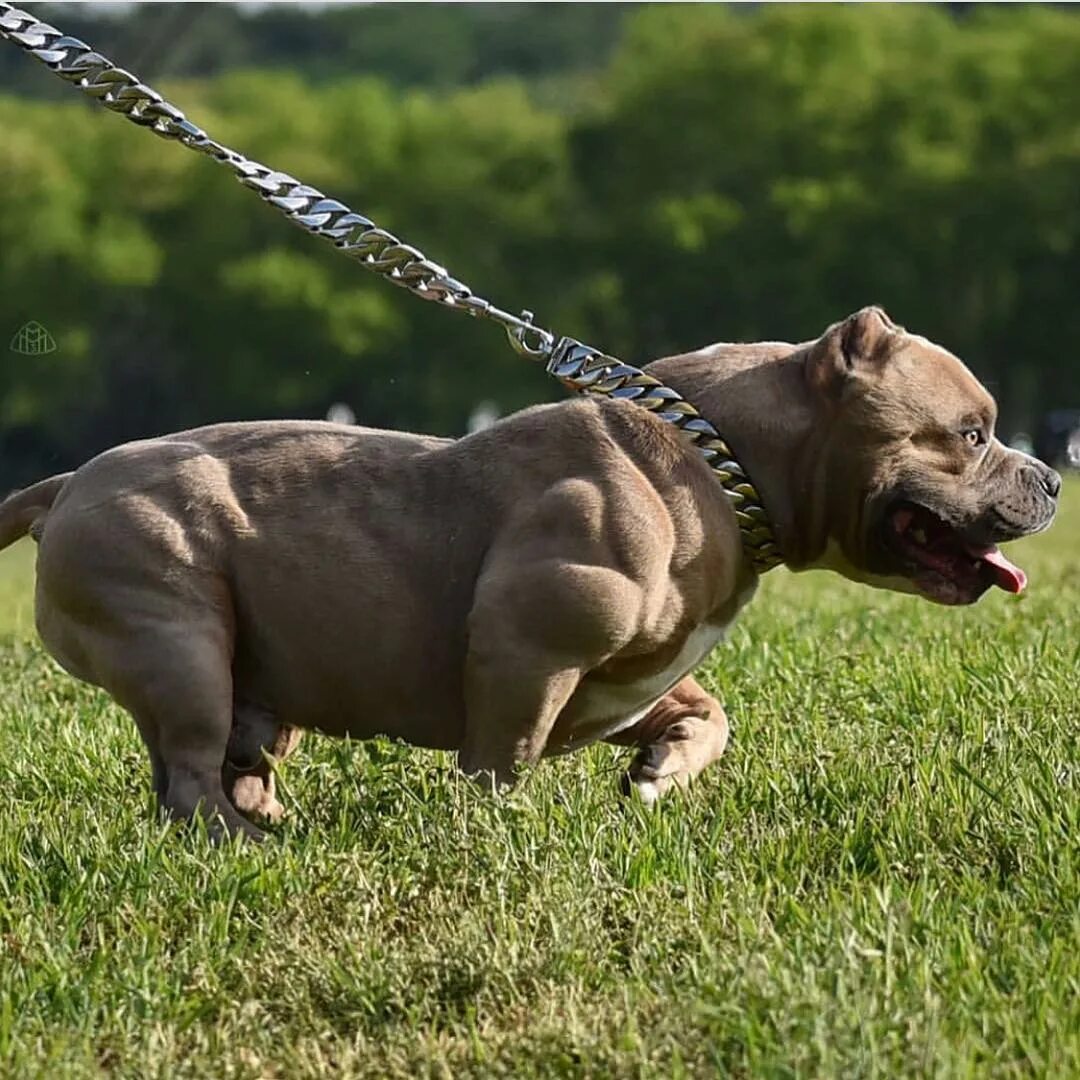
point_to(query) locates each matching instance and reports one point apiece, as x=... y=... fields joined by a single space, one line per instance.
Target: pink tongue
x=1007 y=576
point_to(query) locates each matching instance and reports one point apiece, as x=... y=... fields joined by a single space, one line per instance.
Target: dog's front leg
x=512 y=699
x=685 y=731
x=534 y=630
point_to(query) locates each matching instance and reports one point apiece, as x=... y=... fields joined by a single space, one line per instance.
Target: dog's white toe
x=647 y=791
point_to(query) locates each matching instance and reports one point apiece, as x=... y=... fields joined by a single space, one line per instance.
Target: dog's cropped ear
x=857 y=343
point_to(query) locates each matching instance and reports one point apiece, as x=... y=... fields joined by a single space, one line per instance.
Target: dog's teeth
x=919 y=535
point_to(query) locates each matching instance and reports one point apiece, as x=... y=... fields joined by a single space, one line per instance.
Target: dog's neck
x=738 y=388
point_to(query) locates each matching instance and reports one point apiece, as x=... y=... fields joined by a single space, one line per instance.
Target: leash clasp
x=528 y=340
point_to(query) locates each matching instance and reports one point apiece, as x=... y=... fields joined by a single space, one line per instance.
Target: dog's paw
x=662 y=765
x=251 y=797
x=648 y=792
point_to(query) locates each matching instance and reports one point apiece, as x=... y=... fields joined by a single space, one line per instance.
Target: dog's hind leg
x=132 y=599
x=179 y=686
x=247 y=774
x=170 y=668
x=685 y=731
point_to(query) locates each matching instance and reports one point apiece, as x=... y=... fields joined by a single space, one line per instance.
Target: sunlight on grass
x=17 y=588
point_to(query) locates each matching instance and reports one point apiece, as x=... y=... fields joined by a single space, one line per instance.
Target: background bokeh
x=646 y=178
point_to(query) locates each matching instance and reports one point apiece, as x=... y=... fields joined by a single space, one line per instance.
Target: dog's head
x=918 y=490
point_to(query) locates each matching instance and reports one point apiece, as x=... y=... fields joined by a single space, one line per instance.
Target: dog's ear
x=858 y=343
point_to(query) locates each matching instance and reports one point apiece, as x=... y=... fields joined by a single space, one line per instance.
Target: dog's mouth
x=941 y=563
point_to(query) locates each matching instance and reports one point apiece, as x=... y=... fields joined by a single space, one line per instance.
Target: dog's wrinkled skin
x=527 y=590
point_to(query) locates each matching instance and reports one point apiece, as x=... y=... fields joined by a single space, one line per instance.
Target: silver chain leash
x=577 y=366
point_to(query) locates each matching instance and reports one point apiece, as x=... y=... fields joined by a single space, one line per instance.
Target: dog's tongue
x=1007 y=575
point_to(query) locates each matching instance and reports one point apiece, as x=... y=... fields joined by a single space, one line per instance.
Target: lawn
x=880 y=879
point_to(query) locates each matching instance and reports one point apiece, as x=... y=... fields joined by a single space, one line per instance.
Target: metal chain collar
x=577 y=366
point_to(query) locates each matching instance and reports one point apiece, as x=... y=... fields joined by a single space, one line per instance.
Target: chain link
x=577 y=366
x=355 y=235
x=588 y=371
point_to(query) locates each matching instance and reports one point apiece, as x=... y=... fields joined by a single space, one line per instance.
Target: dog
x=522 y=592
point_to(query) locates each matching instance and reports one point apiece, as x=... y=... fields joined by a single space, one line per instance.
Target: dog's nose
x=1050 y=480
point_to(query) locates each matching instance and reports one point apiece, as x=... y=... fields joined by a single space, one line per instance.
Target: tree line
x=703 y=174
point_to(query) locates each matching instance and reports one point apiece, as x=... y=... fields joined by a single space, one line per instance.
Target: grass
x=880 y=879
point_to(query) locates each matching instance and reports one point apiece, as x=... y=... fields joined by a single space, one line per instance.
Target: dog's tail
x=20 y=512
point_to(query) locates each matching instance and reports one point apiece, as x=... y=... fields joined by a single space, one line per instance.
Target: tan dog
x=522 y=592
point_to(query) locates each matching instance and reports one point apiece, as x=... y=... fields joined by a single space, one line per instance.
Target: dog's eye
x=974 y=436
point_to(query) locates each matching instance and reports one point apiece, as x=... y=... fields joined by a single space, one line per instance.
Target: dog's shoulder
x=614 y=458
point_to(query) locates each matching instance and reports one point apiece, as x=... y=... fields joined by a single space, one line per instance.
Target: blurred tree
x=762 y=175
x=437 y=45
x=725 y=173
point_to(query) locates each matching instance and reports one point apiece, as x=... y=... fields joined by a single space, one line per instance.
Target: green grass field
x=880 y=879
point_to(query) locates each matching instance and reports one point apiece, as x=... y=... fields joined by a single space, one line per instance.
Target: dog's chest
x=600 y=709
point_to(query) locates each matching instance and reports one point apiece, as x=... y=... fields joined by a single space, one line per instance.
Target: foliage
x=449 y=45
x=722 y=174
x=879 y=879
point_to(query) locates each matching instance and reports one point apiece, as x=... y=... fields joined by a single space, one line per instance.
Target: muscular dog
x=524 y=591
